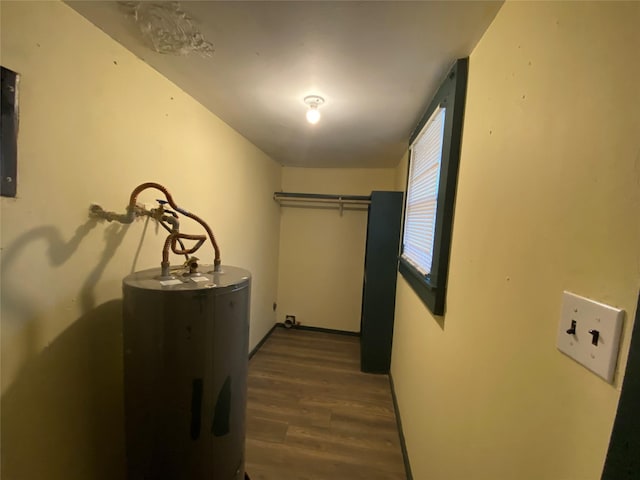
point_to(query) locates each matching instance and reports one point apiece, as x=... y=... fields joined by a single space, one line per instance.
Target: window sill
x=430 y=294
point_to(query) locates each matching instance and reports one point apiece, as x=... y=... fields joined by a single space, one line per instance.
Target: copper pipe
x=186 y=251
x=186 y=255
x=171 y=240
x=165 y=253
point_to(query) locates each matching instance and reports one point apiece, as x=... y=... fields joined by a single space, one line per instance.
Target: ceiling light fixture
x=313 y=114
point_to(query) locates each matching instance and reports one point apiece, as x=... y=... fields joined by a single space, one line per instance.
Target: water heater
x=185 y=339
x=185 y=373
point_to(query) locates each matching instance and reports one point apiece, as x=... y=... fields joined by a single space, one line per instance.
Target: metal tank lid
x=229 y=278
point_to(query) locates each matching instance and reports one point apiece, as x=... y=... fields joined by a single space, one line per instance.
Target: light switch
x=589 y=332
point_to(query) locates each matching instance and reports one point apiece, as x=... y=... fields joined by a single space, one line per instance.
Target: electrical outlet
x=589 y=332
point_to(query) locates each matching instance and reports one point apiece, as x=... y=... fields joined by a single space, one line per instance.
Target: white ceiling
x=377 y=64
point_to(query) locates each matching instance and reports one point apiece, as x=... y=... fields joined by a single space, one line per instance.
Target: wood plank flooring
x=312 y=415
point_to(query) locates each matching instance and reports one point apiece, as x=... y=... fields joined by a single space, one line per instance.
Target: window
x=434 y=154
x=424 y=178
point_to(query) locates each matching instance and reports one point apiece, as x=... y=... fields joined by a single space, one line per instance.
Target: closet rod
x=322 y=198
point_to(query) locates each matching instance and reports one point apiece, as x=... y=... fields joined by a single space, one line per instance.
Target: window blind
x=422 y=193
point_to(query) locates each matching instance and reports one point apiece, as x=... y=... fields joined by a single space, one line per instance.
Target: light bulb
x=313 y=115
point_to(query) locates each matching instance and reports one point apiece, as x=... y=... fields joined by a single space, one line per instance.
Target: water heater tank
x=185 y=374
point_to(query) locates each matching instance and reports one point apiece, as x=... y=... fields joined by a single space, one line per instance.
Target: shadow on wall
x=24 y=309
x=59 y=252
x=63 y=416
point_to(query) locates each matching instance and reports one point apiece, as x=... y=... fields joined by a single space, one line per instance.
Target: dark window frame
x=452 y=95
x=9 y=135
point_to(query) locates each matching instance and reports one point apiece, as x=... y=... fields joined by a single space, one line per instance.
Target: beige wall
x=548 y=199
x=95 y=122
x=321 y=252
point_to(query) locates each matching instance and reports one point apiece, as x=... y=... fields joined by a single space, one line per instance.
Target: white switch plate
x=590 y=315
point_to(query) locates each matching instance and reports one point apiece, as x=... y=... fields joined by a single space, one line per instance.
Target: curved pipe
x=187 y=251
x=173 y=236
x=171 y=240
x=186 y=255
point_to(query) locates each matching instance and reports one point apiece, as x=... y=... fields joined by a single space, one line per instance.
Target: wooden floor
x=312 y=415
